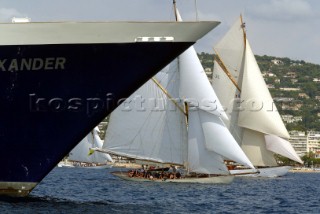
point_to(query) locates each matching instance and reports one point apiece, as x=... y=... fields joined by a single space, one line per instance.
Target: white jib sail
x=259 y=111
x=200 y=159
x=282 y=147
x=219 y=139
x=99 y=144
x=148 y=125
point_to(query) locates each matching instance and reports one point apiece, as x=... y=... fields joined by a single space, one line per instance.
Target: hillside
x=294 y=85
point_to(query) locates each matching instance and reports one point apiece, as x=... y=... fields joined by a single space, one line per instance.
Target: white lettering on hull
x=33 y=64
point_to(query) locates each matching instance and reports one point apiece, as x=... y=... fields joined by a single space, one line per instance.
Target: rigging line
x=168 y=95
x=224 y=68
x=196 y=7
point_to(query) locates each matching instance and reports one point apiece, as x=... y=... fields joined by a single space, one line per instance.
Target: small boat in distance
x=170 y=128
x=80 y=156
x=254 y=120
x=58 y=80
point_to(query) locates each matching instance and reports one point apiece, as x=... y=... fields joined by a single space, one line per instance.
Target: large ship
x=59 y=80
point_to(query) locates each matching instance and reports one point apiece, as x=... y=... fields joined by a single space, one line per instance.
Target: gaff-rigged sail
x=148 y=125
x=249 y=105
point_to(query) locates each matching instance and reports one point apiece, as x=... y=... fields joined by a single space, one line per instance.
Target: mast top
x=243 y=26
x=175 y=9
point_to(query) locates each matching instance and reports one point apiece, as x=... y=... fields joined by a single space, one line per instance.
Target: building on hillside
x=287 y=118
x=291 y=75
x=304 y=143
x=277 y=62
x=298 y=139
x=316 y=80
x=313 y=144
x=290 y=89
x=303 y=95
x=209 y=73
x=295 y=106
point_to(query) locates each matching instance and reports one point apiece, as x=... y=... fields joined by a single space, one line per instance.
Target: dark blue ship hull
x=51 y=96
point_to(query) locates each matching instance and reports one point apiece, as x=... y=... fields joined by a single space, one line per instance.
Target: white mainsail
x=81 y=152
x=192 y=74
x=231 y=49
x=155 y=131
x=253 y=116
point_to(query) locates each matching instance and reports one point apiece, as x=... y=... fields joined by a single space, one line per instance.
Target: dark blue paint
x=34 y=136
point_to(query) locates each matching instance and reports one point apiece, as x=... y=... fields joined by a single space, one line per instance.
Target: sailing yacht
x=253 y=118
x=80 y=156
x=175 y=119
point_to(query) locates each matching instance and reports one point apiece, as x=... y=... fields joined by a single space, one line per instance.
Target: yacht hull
x=221 y=179
x=59 y=80
x=270 y=172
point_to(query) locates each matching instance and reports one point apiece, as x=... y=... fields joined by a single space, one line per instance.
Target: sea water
x=76 y=190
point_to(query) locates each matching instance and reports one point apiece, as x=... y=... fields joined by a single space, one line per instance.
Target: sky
x=281 y=28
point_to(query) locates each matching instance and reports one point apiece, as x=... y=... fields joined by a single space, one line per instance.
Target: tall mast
x=186 y=109
x=243 y=26
x=196 y=8
x=175 y=9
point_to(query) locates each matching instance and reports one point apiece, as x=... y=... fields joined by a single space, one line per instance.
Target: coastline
x=305 y=170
